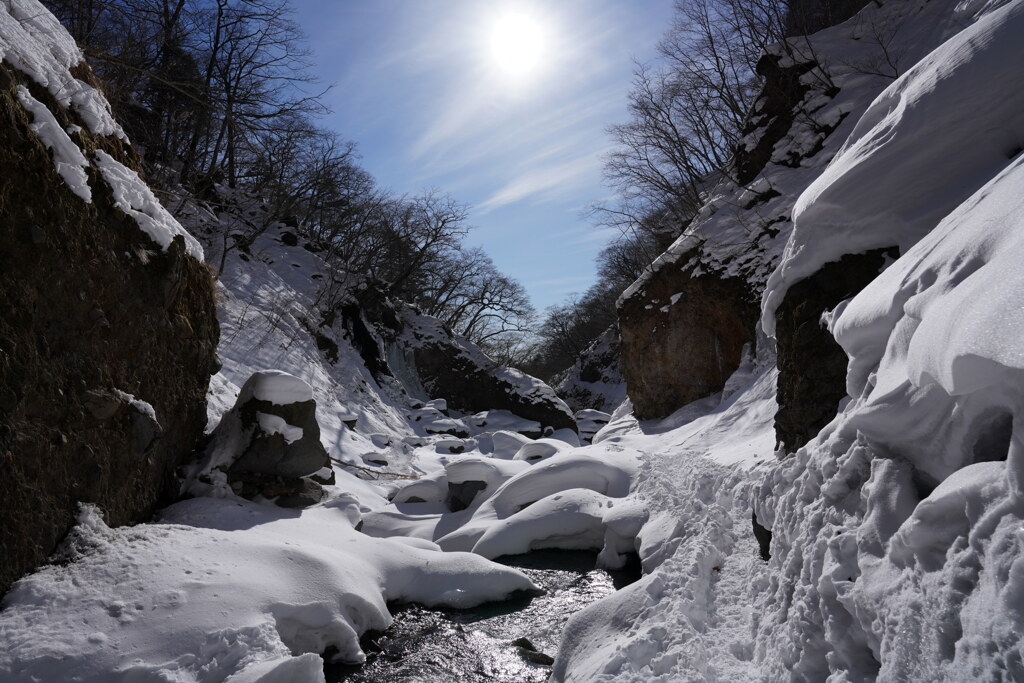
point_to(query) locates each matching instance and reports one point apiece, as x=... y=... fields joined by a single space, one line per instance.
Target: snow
x=222 y=588
x=272 y=424
x=133 y=197
x=927 y=117
x=541 y=449
x=277 y=387
x=67 y=157
x=34 y=42
x=138 y=405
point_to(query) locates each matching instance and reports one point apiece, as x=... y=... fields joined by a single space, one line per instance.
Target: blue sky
x=421 y=87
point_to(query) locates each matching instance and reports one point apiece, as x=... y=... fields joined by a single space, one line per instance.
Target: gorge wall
x=107 y=324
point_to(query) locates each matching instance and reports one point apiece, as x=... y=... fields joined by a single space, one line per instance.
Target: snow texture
x=224 y=590
x=67 y=157
x=34 y=42
x=927 y=117
x=133 y=197
x=896 y=534
x=277 y=387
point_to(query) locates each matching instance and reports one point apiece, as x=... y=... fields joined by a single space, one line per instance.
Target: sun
x=518 y=42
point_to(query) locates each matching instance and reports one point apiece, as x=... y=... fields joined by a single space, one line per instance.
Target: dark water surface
x=442 y=646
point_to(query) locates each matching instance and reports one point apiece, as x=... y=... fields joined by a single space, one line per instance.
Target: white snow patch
x=67 y=157
x=277 y=387
x=273 y=424
x=133 y=197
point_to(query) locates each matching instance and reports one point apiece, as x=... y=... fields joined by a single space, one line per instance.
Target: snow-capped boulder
x=107 y=316
x=278 y=411
x=267 y=445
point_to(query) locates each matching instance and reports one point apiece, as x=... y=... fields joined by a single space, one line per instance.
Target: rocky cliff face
x=683 y=334
x=595 y=380
x=107 y=325
x=685 y=321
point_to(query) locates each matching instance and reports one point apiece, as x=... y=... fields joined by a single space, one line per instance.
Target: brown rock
x=80 y=317
x=682 y=335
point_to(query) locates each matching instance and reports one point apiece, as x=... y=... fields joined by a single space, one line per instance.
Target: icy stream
x=477 y=644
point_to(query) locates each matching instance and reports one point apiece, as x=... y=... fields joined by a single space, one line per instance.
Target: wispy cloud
x=549 y=182
x=417 y=90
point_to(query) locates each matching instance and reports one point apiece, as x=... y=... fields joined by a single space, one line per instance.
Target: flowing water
x=477 y=644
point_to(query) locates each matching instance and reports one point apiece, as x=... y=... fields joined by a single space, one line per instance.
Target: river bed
x=477 y=644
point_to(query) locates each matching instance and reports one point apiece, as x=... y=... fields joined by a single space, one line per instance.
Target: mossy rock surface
x=88 y=305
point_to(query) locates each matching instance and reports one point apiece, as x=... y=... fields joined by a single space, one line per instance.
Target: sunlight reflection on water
x=476 y=644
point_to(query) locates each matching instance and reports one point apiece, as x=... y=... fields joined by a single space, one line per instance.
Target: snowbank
x=913 y=132
x=224 y=590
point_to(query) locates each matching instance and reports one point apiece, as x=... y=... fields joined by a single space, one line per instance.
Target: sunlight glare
x=517 y=43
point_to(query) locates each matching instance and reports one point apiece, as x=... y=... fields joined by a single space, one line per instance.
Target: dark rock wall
x=812 y=366
x=675 y=353
x=88 y=305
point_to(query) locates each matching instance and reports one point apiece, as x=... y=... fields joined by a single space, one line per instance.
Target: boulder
x=278 y=413
x=682 y=330
x=268 y=444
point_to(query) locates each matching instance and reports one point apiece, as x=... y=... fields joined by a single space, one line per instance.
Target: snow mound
x=541 y=449
x=225 y=590
x=277 y=387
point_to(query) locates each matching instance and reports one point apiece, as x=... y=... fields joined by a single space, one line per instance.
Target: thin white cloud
x=551 y=182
